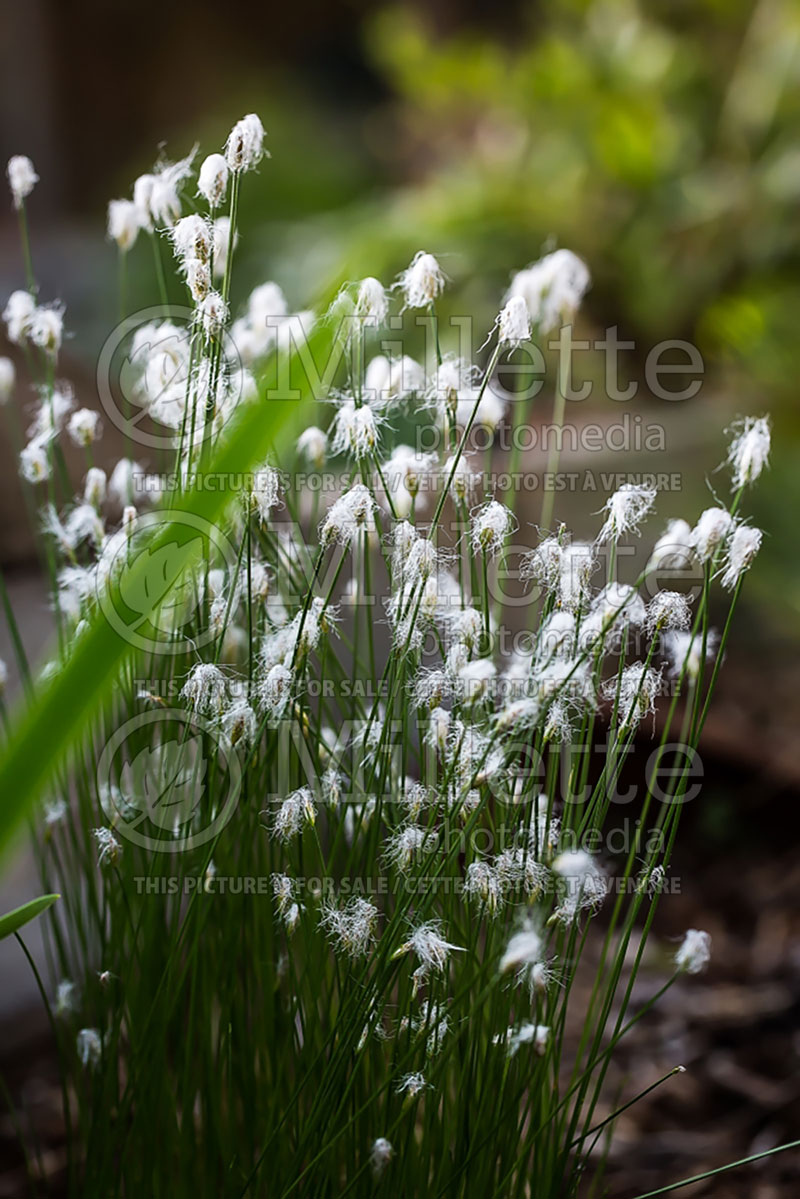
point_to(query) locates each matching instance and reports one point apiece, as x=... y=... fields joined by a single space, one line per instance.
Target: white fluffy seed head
x=313 y=445
x=490 y=526
x=380 y=1155
x=213 y=312
x=619 y=605
x=513 y=323
x=84 y=426
x=422 y=281
x=668 y=611
x=352 y=927
x=94 y=488
x=536 y=1035
x=17 y=314
x=583 y=883
x=429 y=946
x=205 y=688
x=108 y=847
x=89 y=1045
x=22 y=178
x=576 y=566
x=212 y=180
x=8 y=377
x=626 y=509
x=275 y=692
x=35 y=462
x=524 y=949
x=46 y=329
x=372 y=304
x=244 y=148
x=265 y=491
x=674 y=548
x=694 y=952
x=742 y=548
x=483 y=884
x=552 y=288
x=297 y=810
x=351 y=514
x=123 y=223
x=638 y=687
x=355 y=430
x=710 y=532
x=749 y=451
x=192 y=238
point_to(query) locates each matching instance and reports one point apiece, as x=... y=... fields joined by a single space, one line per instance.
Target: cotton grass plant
x=322 y=921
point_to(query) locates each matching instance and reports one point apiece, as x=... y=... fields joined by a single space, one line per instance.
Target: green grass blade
x=62 y=710
x=17 y=917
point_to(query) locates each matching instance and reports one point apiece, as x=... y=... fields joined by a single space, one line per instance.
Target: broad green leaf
x=14 y=920
x=63 y=707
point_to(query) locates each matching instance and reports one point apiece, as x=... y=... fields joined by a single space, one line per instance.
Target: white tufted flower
x=380 y=1155
x=694 y=952
x=313 y=444
x=483 y=884
x=674 y=548
x=244 y=148
x=17 y=314
x=192 y=238
x=205 y=688
x=491 y=525
x=749 y=451
x=35 y=462
x=355 y=429
x=90 y=1047
x=351 y=928
x=552 y=288
x=422 y=281
x=212 y=180
x=742 y=549
x=22 y=178
x=626 y=509
x=352 y=513
x=275 y=691
x=108 y=847
x=296 y=810
x=639 y=686
x=45 y=328
x=537 y=1035
x=583 y=881
x=213 y=313
x=372 y=304
x=668 y=611
x=429 y=946
x=710 y=532
x=123 y=223
x=513 y=323
x=84 y=426
x=8 y=376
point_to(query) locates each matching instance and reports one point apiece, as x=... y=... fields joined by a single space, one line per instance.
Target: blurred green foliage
x=660 y=142
x=657 y=140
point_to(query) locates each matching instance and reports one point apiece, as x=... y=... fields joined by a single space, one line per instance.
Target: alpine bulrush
x=376 y=733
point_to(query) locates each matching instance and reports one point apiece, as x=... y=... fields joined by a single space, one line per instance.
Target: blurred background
x=661 y=142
